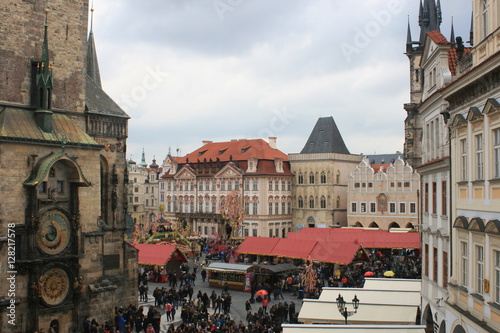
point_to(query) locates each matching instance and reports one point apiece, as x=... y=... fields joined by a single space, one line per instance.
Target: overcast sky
x=193 y=70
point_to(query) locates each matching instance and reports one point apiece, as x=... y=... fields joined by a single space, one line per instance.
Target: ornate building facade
x=193 y=187
x=62 y=174
x=385 y=199
x=320 y=178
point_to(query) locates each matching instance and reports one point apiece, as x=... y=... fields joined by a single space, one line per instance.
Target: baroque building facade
x=458 y=116
x=320 y=178
x=193 y=187
x=384 y=199
x=62 y=174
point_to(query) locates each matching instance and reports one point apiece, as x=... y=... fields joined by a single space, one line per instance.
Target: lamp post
x=341 y=304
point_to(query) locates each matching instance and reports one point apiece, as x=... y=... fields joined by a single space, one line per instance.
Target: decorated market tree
x=309 y=277
x=232 y=210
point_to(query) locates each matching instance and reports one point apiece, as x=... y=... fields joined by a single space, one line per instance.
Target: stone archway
x=459 y=329
x=427 y=320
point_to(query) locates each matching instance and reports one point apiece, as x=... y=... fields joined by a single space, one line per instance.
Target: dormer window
x=222 y=151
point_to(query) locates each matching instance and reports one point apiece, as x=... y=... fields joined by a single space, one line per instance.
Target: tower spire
x=452 y=35
x=92 y=63
x=409 y=42
x=471 y=33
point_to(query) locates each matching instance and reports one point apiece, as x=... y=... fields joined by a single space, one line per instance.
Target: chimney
x=272 y=142
x=206 y=142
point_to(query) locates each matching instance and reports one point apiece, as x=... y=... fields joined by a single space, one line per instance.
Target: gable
x=229 y=171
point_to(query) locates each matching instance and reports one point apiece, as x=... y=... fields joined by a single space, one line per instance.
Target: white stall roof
x=394 y=297
x=393 y=284
x=225 y=267
x=305 y=328
x=318 y=311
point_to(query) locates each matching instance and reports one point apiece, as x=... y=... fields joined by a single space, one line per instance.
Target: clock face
x=54 y=286
x=53 y=232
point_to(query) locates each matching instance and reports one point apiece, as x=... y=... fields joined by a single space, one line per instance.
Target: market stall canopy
x=155 y=254
x=272 y=269
x=367 y=238
x=225 y=267
x=393 y=284
x=319 y=311
x=341 y=253
x=322 y=328
x=258 y=245
x=394 y=297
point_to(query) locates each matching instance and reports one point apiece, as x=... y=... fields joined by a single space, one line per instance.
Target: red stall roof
x=258 y=245
x=155 y=254
x=293 y=248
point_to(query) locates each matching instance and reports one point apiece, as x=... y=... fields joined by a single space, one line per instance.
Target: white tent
x=301 y=328
x=393 y=284
x=394 y=297
x=320 y=311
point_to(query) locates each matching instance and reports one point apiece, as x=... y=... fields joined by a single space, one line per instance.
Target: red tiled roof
x=376 y=167
x=238 y=150
x=438 y=38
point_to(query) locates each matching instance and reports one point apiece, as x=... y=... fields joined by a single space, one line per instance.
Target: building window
x=373 y=207
x=413 y=208
x=300 y=202
x=223 y=185
x=323 y=202
x=247 y=185
x=181 y=186
x=443 y=197
x=191 y=207
x=426 y=197
x=392 y=207
x=255 y=186
x=463 y=159
x=283 y=185
x=254 y=231
x=445 y=269
x=300 y=178
x=270 y=185
x=485 y=18
x=270 y=208
x=229 y=185
x=236 y=185
x=311 y=178
x=283 y=208
x=465 y=261
x=270 y=232
x=245 y=232
x=338 y=202
x=426 y=264
x=353 y=207
x=496 y=148
x=435 y=264
x=338 y=177
x=434 y=197
x=311 y=202
x=247 y=208
x=402 y=208
x=147 y=203
x=276 y=185
x=289 y=186
x=323 y=178
x=254 y=208
x=276 y=208
x=200 y=206
x=214 y=207
x=479 y=157
x=213 y=186
x=289 y=208
x=191 y=186
x=169 y=186
x=136 y=189
x=147 y=189
x=479 y=269
x=497 y=276
x=362 y=207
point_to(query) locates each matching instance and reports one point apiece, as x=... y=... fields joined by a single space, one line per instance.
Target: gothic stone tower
x=62 y=174
x=429 y=19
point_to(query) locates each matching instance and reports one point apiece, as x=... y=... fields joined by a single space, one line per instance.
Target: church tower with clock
x=63 y=174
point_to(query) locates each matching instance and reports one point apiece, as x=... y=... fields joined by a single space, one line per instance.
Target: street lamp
x=342 y=308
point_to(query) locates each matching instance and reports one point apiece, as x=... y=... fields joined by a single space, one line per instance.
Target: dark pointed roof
x=452 y=35
x=409 y=42
x=92 y=63
x=429 y=18
x=325 y=138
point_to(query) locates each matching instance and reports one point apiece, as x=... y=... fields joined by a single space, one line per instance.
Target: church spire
x=92 y=63
x=471 y=33
x=452 y=35
x=409 y=42
x=430 y=18
x=43 y=84
x=143 y=159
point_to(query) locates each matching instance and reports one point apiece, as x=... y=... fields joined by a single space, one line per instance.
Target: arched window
x=323 y=177
x=338 y=202
x=311 y=202
x=311 y=178
x=323 y=202
x=393 y=225
x=338 y=177
x=300 y=178
x=300 y=202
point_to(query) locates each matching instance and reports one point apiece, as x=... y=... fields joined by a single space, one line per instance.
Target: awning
x=323 y=328
x=393 y=284
x=293 y=248
x=280 y=268
x=258 y=245
x=394 y=297
x=225 y=267
x=155 y=254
